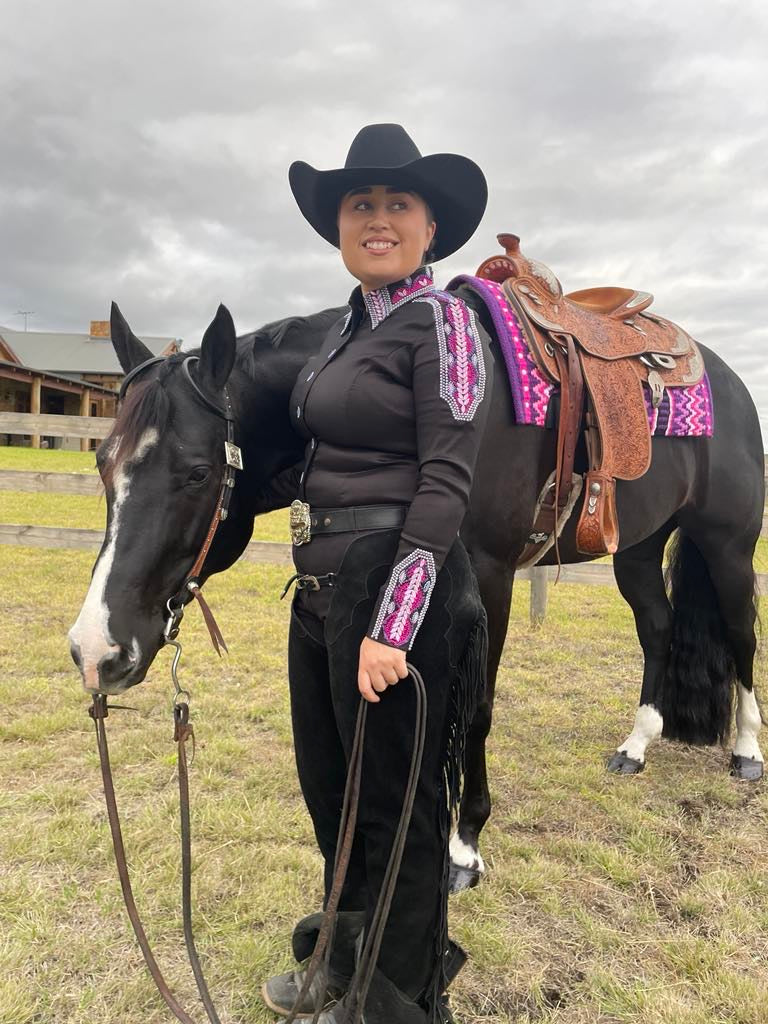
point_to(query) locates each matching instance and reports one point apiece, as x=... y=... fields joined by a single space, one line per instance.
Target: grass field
x=607 y=899
x=47 y=460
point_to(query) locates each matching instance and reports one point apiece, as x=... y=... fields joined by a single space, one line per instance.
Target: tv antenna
x=25 y=313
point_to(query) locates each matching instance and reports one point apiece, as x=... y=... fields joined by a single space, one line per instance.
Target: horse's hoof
x=622 y=764
x=747 y=769
x=463 y=878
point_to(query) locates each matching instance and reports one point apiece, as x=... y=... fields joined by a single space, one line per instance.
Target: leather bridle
x=233 y=460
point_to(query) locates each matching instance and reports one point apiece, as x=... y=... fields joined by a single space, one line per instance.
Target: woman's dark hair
x=429 y=255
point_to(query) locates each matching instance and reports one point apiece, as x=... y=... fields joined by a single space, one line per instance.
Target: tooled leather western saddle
x=605 y=342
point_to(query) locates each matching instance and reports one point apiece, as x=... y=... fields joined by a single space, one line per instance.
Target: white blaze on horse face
x=91 y=630
x=748 y=725
x=464 y=855
x=648 y=727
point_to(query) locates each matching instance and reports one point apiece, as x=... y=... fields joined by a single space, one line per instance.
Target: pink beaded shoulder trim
x=462 y=367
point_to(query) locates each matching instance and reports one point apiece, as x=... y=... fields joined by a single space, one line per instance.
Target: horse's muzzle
x=115 y=672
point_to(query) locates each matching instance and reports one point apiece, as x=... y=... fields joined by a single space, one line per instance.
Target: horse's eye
x=199 y=475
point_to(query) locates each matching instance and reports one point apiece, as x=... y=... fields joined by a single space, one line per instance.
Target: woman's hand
x=380 y=666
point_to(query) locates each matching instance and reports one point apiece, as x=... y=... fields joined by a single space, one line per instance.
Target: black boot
x=385 y=1004
x=281 y=992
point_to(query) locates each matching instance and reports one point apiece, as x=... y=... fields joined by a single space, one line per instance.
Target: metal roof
x=71 y=353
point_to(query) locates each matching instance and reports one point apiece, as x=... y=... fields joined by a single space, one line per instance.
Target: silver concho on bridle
x=233 y=455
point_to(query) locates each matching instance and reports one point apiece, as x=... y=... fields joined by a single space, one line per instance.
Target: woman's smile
x=379 y=246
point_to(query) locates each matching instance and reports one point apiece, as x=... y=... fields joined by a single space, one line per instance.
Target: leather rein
x=183 y=732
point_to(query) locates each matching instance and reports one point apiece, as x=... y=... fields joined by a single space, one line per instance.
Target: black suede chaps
x=450 y=650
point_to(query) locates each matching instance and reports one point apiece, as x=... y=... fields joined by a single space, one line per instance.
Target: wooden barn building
x=63 y=374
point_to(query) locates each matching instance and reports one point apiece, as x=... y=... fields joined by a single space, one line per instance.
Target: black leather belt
x=357 y=517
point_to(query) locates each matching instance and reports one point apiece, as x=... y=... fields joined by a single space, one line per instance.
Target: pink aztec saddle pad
x=683 y=412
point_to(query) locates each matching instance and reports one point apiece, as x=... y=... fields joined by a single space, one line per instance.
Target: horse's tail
x=701 y=670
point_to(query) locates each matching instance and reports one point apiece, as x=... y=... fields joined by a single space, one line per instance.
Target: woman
x=393 y=407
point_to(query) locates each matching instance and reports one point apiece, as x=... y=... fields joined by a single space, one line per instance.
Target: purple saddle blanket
x=683 y=412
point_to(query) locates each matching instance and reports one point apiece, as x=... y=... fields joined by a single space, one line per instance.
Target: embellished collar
x=381 y=302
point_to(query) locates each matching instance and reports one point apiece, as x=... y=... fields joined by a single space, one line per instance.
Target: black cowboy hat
x=385 y=154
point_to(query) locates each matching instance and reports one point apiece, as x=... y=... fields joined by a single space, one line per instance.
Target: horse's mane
x=148 y=407
x=304 y=332
x=145 y=407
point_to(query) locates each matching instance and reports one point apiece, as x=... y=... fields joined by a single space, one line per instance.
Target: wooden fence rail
x=48 y=425
x=89 y=483
x=50 y=483
x=595 y=574
x=91 y=540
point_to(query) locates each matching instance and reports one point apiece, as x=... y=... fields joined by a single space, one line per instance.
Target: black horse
x=162 y=467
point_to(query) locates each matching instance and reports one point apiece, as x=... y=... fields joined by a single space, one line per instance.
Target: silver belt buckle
x=307 y=583
x=299 y=522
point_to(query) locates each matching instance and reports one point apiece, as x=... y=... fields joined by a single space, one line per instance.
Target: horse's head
x=162 y=468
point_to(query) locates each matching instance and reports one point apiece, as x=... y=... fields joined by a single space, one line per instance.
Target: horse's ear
x=130 y=351
x=217 y=354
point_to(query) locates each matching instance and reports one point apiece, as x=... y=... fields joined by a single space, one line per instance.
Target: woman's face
x=383 y=234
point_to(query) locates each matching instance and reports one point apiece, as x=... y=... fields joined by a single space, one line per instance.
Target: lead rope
x=182 y=732
x=98 y=712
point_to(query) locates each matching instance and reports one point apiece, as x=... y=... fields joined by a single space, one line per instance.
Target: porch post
x=85 y=410
x=34 y=406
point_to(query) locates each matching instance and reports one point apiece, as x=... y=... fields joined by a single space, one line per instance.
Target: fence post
x=538 y=595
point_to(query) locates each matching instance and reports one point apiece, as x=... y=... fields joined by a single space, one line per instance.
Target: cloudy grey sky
x=145 y=148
